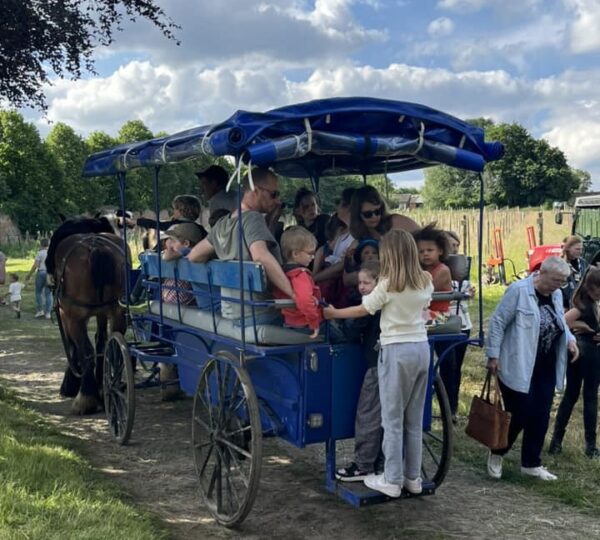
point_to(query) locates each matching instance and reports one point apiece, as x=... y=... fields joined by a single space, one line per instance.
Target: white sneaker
x=48 y=316
x=378 y=483
x=39 y=314
x=413 y=486
x=494 y=465
x=539 y=472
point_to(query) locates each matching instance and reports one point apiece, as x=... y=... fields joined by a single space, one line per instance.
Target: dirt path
x=156 y=469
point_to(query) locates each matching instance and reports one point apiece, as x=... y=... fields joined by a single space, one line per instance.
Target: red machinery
x=536 y=254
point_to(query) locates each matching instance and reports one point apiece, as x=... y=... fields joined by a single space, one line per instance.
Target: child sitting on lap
x=367 y=424
x=298 y=248
x=181 y=238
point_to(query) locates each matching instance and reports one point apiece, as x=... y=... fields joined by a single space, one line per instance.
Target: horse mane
x=69 y=227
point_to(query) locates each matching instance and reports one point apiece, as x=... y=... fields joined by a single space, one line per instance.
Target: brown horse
x=87 y=261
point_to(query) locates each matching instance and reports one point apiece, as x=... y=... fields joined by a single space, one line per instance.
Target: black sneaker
x=555 y=448
x=351 y=473
x=592 y=452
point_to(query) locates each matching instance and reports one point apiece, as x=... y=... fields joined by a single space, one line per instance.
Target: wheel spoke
x=202 y=423
x=229 y=434
x=229 y=444
x=239 y=466
x=208 y=454
x=431 y=435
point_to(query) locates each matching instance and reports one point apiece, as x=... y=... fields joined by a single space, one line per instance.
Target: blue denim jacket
x=513 y=334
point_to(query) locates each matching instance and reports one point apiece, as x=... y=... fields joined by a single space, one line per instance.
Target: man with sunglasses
x=259 y=245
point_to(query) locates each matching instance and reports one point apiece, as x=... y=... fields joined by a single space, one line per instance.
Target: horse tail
x=103 y=268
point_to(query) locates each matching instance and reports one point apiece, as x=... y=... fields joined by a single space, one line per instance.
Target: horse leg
x=100 y=338
x=86 y=401
x=71 y=382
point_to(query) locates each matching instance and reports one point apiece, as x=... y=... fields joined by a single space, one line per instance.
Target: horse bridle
x=97 y=239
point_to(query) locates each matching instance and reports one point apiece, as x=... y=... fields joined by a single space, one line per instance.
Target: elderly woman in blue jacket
x=527 y=345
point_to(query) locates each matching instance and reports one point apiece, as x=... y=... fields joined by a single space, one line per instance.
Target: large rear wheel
x=119 y=388
x=227 y=439
x=437 y=441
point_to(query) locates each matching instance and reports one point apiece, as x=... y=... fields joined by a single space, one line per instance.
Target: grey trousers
x=403 y=372
x=367 y=426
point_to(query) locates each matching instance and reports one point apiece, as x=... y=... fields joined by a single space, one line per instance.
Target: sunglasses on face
x=370 y=213
x=273 y=194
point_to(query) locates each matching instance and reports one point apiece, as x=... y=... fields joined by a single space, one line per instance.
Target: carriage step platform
x=152 y=348
x=357 y=494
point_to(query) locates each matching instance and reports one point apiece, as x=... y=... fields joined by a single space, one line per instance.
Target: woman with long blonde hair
x=403 y=292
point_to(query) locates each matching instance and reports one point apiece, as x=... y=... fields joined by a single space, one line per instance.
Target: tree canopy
x=40 y=37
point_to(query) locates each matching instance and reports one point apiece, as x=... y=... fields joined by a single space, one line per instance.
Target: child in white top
x=402 y=293
x=14 y=291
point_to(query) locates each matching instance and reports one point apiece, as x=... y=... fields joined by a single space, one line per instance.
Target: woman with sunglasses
x=307 y=212
x=369 y=219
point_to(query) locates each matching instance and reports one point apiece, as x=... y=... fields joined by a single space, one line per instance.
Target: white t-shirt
x=40 y=259
x=14 y=289
x=401 y=312
x=342 y=244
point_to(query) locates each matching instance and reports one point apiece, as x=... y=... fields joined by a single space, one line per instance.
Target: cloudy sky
x=529 y=61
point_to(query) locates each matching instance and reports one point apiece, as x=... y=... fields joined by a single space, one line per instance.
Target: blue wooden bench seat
x=212 y=276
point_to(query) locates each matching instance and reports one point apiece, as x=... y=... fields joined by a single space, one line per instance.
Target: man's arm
x=275 y=274
x=203 y=251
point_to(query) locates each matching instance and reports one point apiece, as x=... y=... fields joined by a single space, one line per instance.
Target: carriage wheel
x=437 y=442
x=227 y=439
x=119 y=388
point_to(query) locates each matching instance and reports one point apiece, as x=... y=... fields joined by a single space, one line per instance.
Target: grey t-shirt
x=224 y=199
x=224 y=239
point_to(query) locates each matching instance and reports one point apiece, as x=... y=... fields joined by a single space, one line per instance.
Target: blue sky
x=529 y=61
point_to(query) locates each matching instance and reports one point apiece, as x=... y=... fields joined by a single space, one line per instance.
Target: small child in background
x=401 y=294
x=298 y=247
x=324 y=258
x=367 y=424
x=14 y=292
x=366 y=251
x=180 y=239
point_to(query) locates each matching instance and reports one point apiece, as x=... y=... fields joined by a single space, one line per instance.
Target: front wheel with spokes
x=119 y=388
x=437 y=440
x=227 y=439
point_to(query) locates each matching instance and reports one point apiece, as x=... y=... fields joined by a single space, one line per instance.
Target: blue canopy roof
x=319 y=138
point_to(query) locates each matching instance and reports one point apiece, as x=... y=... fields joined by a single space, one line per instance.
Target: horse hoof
x=83 y=404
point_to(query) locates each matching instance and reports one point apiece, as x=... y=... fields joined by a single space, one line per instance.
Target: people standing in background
x=527 y=345
x=571 y=253
x=43 y=295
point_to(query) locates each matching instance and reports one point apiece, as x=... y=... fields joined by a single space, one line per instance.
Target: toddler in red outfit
x=298 y=248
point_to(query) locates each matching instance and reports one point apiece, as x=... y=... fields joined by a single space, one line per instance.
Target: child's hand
x=315 y=333
x=329 y=312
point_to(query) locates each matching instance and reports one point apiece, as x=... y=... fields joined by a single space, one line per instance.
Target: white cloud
x=440 y=27
x=584 y=34
x=507 y=6
x=242 y=31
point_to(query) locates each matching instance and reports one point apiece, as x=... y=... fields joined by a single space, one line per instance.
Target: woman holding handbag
x=527 y=347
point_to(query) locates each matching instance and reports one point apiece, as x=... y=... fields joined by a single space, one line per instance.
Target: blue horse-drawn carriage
x=252 y=380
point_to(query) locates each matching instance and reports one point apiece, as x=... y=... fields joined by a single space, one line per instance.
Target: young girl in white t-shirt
x=403 y=291
x=14 y=291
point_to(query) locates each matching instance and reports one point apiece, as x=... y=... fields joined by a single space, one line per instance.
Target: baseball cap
x=215 y=173
x=191 y=232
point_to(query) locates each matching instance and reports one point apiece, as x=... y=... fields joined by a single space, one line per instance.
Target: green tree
x=531 y=171
x=583 y=179
x=448 y=187
x=30 y=177
x=41 y=37
x=70 y=150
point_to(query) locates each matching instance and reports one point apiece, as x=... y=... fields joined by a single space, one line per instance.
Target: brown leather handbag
x=488 y=421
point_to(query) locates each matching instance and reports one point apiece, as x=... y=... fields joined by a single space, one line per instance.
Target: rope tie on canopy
x=309 y=133
x=237 y=174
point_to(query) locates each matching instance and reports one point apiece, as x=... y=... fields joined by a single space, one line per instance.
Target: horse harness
x=91 y=242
